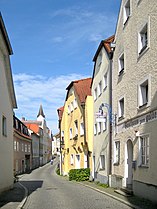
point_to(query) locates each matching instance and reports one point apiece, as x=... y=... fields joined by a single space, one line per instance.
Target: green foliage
x=58 y=171
x=101 y=184
x=79 y=174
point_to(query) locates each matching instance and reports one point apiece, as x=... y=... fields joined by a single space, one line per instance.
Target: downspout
x=110 y=120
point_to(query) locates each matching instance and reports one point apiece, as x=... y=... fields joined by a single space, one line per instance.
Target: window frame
x=71 y=133
x=146 y=150
x=105 y=81
x=121 y=112
x=102 y=162
x=126 y=8
x=121 y=64
x=81 y=129
x=117 y=152
x=4 y=126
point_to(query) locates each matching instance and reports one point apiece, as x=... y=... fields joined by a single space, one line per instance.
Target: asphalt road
x=47 y=190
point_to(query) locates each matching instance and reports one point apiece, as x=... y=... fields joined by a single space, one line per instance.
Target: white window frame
x=75 y=103
x=102 y=162
x=99 y=88
x=25 y=147
x=15 y=145
x=144 y=150
x=143 y=38
x=105 y=81
x=81 y=129
x=95 y=129
x=144 y=96
x=71 y=133
x=69 y=109
x=29 y=148
x=22 y=147
x=76 y=127
x=99 y=127
x=121 y=62
x=126 y=11
x=117 y=152
x=121 y=107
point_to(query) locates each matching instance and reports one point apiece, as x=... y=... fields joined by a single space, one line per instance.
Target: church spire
x=41 y=112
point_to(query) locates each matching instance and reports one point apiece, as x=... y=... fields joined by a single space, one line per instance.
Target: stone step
x=119 y=191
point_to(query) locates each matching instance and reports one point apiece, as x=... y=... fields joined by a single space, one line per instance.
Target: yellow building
x=76 y=127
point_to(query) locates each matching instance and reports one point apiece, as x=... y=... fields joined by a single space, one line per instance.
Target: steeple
x=41 y=112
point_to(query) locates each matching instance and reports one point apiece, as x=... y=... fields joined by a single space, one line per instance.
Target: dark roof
x=41 y=112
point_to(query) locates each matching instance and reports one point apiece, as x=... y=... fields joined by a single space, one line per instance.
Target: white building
x=135 y=98
x=7 y=103
x=56 y=144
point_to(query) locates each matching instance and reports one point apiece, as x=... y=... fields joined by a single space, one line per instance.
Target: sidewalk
x=134 y=202
x=13 y=198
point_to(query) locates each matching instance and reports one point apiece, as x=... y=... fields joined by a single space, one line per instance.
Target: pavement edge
x=20 y=206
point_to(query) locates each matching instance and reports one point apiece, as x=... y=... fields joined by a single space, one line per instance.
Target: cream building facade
x=7 y=103
x=101 y=91
x=76 y=127
x=135 y=98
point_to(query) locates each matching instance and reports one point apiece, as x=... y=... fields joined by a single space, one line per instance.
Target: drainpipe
x=110 y=121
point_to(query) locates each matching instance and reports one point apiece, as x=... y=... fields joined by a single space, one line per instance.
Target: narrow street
x=50 y=191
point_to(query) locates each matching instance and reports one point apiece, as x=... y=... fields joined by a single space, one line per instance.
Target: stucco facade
x=76 y=130
x=135 y=98
x=7 y=103
x=101 y=91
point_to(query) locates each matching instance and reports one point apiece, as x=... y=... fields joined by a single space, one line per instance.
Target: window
x=144 y=140
x=126 y=11
x=121 y=64
x=99 y=127
x=143 y=39
x=81 y=129
x=117 y=152
x=75 y=103
x=105 y=81
x=29 y=148
x=25 y=147
x=76 y=128
x=72 y=159
x=100 y=88
x=72 y=106
x=71 y=133
x=121 y=108
x=62 y=137
x=95 y=94
x=104 y=126
x=95 y=129
x=102 y=162
x=69 y=109
x=14 y=145
x=4 y=126
x=143 y=93
x=17 y=146
x=22 y=147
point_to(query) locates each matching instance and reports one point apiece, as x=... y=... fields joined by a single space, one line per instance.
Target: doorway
x=129 y=164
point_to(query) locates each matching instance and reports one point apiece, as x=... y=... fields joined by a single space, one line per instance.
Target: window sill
x=126 y=21
x=105 y=88
x=121 y=72
x=143 y=51
x=120 y=118
x=143 y=166
x=116 y=164
x=143 y=107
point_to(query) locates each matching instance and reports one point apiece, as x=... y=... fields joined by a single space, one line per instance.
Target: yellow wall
x=76 y=145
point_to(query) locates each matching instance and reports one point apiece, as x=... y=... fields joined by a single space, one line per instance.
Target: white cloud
x=33 y=90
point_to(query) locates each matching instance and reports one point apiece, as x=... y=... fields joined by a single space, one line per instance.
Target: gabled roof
x=81 y=87
x=32 y=126
x=60 y=112
x=106 y=44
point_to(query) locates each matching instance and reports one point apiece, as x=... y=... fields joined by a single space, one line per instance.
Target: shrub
x=79 y=174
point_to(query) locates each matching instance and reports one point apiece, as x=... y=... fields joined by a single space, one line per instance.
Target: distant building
x=56 y=144
x=22 y=148
x=76 y=127
x=101 y=91
x=7 y=103
x=45 y=143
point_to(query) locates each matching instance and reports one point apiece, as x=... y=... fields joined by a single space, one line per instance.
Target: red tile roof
x=81 y=87
x=60 y=112
x=33 y=127
x=106 y=44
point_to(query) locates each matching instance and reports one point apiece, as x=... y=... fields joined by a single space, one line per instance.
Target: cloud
x=33 y=90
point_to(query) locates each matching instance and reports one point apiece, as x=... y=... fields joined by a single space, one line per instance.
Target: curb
x=112 y=196
x=20 y=206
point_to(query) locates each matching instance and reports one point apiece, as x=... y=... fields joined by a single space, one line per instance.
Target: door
x=77 y=165
x=129 y=164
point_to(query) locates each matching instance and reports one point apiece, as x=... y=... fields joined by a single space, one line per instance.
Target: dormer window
x=126 y=11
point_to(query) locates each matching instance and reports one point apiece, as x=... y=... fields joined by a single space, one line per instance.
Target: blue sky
x=54 y=42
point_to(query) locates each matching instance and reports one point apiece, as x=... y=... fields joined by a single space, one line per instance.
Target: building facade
x=101 y=91
x=56 y=144
x=135 y=98
x=7 y=103
x=76 y=127
x=22 y=148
